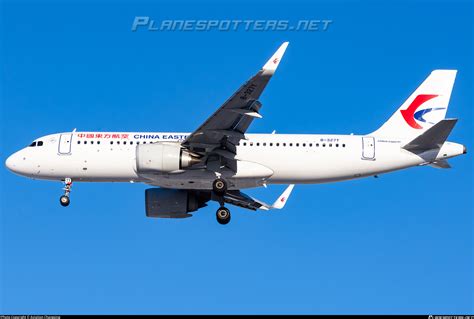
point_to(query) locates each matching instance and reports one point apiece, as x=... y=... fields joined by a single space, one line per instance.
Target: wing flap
x=246 y=113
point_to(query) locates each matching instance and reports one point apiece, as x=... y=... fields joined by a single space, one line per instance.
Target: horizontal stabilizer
x=440 y=164
x=433 y=138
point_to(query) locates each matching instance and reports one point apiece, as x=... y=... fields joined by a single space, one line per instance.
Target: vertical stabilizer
x=423 y=109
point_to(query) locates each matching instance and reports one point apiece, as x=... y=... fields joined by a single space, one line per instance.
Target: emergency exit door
x=368 y=148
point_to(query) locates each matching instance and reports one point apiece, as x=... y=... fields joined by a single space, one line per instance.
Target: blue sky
x=402 y=243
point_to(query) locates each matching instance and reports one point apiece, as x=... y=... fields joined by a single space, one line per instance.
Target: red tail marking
x=408 y=114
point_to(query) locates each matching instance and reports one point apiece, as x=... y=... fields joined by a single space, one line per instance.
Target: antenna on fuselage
x=74 y=130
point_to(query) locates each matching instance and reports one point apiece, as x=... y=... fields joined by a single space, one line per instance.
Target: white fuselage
x=262 y=159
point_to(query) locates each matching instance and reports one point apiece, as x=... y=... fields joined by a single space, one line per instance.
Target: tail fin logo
x=410 y=114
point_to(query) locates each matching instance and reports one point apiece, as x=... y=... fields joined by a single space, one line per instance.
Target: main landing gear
x=64 y=200
x=223 y=215
x=219 y=187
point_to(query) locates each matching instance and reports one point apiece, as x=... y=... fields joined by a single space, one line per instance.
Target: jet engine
x=163 y=157
x=174 y=203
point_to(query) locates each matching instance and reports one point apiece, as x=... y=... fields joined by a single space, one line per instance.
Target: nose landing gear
x=64 y=200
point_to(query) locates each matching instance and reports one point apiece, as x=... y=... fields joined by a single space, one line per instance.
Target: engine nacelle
x=173 y=203
x=163 y=157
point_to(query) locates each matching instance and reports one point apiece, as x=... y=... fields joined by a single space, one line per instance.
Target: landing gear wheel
x=219 y=186
x=64 y=200
x=223 y=216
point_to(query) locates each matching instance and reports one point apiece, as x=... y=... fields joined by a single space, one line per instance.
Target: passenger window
x=98 y=142
x=258 y=144
x=124 y=142
x=92 y=142
x=297 y=144
x=324 y=145
x=343 y=145
x=291 y=144
x=78 y=142
x=330 y=145
x=304 y=144
x=337 y=145
x=131 y=142
x=264 y=144
x=284 y=144
x=277 y=144
x=85 y=142
x=111 y=142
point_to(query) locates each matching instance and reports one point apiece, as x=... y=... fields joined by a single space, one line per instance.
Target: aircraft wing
x=226 y=127
x=240 y=199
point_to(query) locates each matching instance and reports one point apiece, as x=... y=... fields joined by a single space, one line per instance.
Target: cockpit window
x=39 y=143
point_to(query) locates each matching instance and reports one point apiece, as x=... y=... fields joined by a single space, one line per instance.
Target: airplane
x=219 y=159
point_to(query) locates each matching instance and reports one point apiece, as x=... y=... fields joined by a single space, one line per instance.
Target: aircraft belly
x=248 y=174
x=198 y=179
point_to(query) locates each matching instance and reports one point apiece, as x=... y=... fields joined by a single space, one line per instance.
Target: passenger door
x=65 y=141
x=368 y=148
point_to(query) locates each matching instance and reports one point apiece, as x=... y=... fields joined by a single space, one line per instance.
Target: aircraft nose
x=15 y=164
x=10 y=163
x=19 y=164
